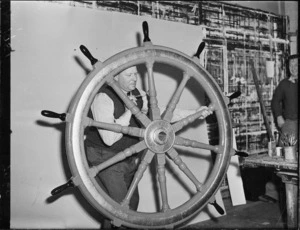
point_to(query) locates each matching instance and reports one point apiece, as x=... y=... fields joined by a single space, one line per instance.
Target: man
x=285 y=109
x=285 y=100
x=102 y=144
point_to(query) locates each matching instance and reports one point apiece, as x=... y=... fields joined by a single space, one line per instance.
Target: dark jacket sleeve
x=277 y=100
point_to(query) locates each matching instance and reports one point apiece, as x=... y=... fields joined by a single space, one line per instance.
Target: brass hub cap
x=159 y=136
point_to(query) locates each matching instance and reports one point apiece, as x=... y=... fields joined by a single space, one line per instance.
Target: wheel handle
x=87 y=53
x=218 y=207
x=241 y=154
x=200 y=49
x=63 y=187
x=51 y=114
x=146 y=32
x=233 y=96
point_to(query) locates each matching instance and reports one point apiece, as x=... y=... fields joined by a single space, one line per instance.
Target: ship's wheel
x=158 y=136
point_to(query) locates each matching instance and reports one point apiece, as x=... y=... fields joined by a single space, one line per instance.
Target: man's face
x=127 y=79
x=293 y=65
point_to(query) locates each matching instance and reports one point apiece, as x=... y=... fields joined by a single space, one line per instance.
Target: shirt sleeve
x=179 y=114
x=276 y=103
x=103 y=111
x=145 y=101
x=182 y=113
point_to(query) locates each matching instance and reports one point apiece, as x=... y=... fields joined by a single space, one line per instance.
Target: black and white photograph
x=149 y=115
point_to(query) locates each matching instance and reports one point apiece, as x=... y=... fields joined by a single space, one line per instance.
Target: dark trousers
x=116 y=179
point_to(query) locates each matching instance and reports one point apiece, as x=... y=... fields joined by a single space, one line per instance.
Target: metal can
x=279 y=151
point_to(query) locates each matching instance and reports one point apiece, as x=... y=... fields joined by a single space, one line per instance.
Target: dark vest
x=93 y=138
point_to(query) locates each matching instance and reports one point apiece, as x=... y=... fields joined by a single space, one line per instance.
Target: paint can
x=271 y=148
x=279 y=151
x=290 y=153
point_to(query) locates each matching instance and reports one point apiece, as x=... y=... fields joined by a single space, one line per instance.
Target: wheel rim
x=158 y=137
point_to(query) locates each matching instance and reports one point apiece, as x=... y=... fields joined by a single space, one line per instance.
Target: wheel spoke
x=137 y=177
x=130 y=105
x=154 y=110
x=189 y=119
x=132 y=131
x=161 y=161
x=195 y=144
x=182 y=166
x=172 y=105
x=93 y=171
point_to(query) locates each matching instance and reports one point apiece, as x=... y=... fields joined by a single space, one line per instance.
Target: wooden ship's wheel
x=158 y=136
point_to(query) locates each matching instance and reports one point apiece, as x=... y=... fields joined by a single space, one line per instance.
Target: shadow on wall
x=72 y=191
x=61 y=128
x=65 y=165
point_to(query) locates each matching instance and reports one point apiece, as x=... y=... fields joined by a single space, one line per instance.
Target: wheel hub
x=159 y=136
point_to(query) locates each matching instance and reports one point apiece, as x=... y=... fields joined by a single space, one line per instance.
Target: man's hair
x=294 y=56
x=291 y=57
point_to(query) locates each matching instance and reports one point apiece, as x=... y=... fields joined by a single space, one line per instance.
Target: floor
x=252 y=215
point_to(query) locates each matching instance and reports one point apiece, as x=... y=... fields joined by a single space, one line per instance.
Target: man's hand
x=133 y=99
x=280 y=121
x=205 y=112
x=145 y=102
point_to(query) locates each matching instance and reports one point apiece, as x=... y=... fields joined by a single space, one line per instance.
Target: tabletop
x=265 y=160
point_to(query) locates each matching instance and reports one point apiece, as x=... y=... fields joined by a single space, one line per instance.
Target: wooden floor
x=252 y=215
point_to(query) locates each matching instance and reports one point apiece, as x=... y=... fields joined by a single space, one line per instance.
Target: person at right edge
x=285 y=110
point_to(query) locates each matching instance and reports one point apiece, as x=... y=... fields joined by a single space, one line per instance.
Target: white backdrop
x=47 y=67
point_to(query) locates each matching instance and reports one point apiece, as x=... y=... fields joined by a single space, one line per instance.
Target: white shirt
x=103 y=111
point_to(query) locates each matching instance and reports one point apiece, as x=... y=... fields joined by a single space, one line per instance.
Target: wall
x=276 y=7
x=47 y=67
x=289 y=8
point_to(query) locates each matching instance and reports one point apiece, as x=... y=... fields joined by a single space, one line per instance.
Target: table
x=289 y=174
